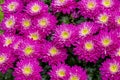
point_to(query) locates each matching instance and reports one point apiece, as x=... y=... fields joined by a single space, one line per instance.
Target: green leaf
x=1 y=1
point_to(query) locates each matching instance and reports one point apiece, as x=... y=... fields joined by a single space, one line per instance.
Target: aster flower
x=6 y=58
x=27 y=69
x=89 y=8
x=64 y=6
x=28 y=48
x=9 y=22
x=12 y=6
x=87 y=49
x=45 y=22
x=110 y=69
x=65 y=34
x=53 y=54
x=108 y=41
x=87 y=28
x=59 y=72
x=109 y=4
x=77 y=73
x=35 y=8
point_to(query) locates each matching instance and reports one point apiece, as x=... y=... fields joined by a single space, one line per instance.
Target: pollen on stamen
x=26 y=23
x=89 y=46
x=53 y=51
x=43 y=22
x=84 y=31
x=113 y=68
x=74 y=77
x=61 y=73
x=2 y=59
x=27 y=70
x=12 y=6
x=28 y=50
x=65 y=34
x=34 y=36
x=10 y=23
x=103 y=18
x=35 y=8
x=8 y=41
x=106 y=42
x=91 y=5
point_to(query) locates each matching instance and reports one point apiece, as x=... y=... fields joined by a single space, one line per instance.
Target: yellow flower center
x=118 y=21
x=12 y=6
x=28 y=50
x=27 y=70
x=106 y=3
x=53 y=51
x=61 y=73
x=91 y=5
x=106 y=42
x=9 y=23
x=26 y=23
x=2 y=59
x=103 y=18
x=35 y=8
x=43 y=22
x=61 y=1
x=89 y=46
x=65 y=34
x=85 y=31
x=74 y=77
x=34 y=36
x=8 y=41
x=114 y=68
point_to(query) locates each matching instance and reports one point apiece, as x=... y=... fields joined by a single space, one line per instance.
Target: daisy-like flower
x=87 y=28
x=45 y=22
x=35 y=34
x=65 y=34
x=35 y=8
x=104 y=17
x=28 y=48
x=108 y=42
x=12 y=6
x=110 y=69
x=109 y=4
x=25 y=21
x=88 y=50
x=64 y=6
x=53 y=54
x=89 y=8
x=59 y=72
x=6 y=59
x=27 y=69
x=7 y=39
x=9 y=22
x=77 y=73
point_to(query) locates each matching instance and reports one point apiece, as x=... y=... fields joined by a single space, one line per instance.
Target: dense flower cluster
x=33 y=34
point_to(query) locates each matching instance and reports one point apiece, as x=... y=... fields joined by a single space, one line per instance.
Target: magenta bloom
x=29 y=48
x=89 y=8
x=27 y=69
x=59 y=72
x=53 y=54
x=108 y=41
x=12 y=6
x=36 y=7
x=6 y=59
x=110 y=69
x=9 y=22
x=64 y=6
x=45 y=22
x=65 y=34
x=87 y=28
x=88 y=50
x=77 y=73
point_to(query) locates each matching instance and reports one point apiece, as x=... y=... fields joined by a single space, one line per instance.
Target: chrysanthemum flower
x=12 y=6
x=89 y=8
x=9 y=22
x=110 y=69
x=29 y=48
x=59 y=72
x=27 y=69
x=88 y=50
x=87 y=28
x=65 y=34
x=108 y=41
x=6 y=59
x=77 y=73
x=109 y=4
x=64 y=6
x=45 y=22
x=53 y=54
x=37 y=7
